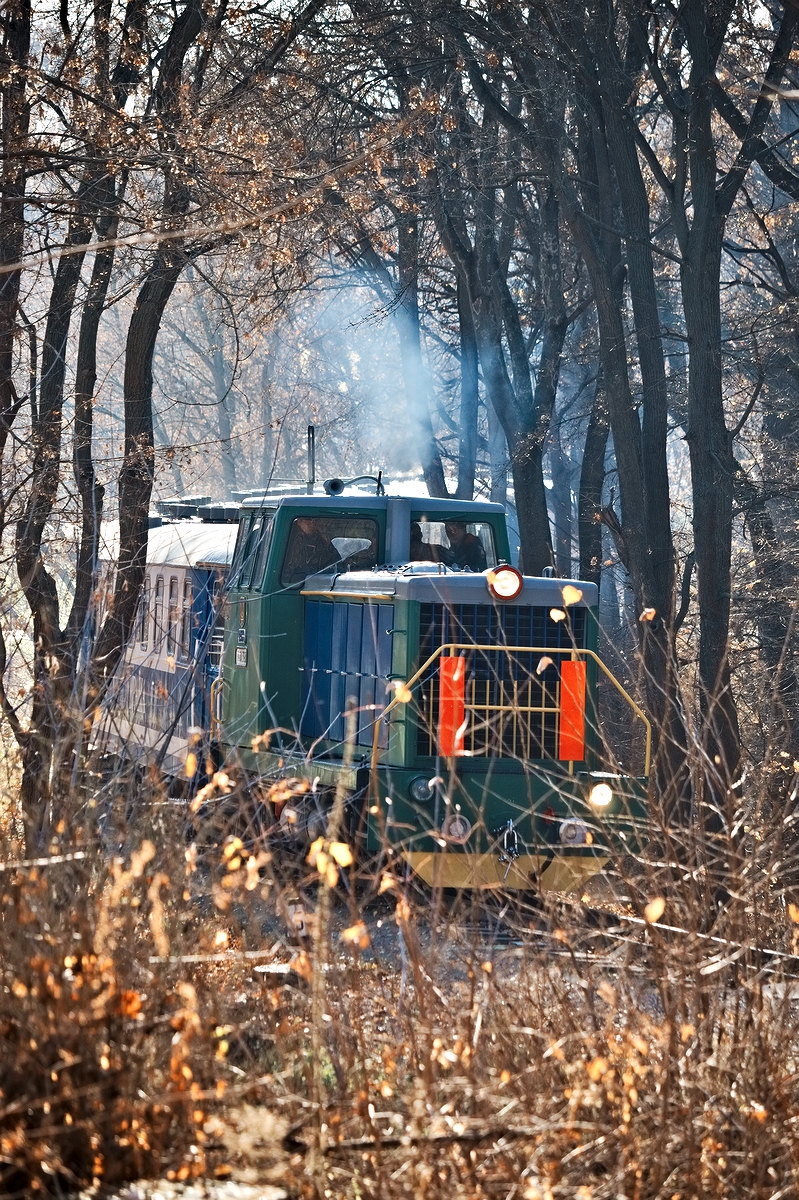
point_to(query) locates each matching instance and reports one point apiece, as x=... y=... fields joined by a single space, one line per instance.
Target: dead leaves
x=327 y=857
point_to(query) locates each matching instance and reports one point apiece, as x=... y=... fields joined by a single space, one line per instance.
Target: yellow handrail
x=572 y=651
x=216 y=724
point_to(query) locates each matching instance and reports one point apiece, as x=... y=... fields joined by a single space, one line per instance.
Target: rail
x=571 y=653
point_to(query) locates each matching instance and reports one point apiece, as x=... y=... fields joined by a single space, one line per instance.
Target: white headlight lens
x=573 y=833
x=505 y=582
x=600 y=795
x=456 y=828
x=421 y=790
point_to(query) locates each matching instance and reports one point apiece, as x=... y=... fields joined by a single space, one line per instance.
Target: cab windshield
x=453 y=542
x=328 y=544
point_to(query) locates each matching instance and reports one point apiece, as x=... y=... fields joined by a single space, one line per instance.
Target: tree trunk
x=267 y=457
x=639 y=498
x=418 y=385
x=222 y=389
x=136 y=475
x=498 y=458
x=13 y=183
x=48 y=743
x=470 y=395
x=654 y=406
x=523 y=413
x=561 y=469
x=712 y=476
x=658 y=653
x=80 y=625
x=222 y=379
x=526 y=458
x=592 y=482
x=709 y=441
x=776 y=615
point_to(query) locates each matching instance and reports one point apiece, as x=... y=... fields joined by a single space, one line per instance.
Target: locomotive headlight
x=505 y=582
x=574 y=833
x=600 y=795
x=456 y=828
x=421 y=790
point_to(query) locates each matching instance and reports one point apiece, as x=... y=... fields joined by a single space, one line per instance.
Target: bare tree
x=172 y=135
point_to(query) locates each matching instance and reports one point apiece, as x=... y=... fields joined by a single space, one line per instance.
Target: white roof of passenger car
x=191 y=544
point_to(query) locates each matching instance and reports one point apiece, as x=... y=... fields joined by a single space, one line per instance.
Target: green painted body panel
x=273 y=642
x=537 y=802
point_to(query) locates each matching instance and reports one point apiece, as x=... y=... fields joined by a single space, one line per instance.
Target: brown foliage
x=161 y=1015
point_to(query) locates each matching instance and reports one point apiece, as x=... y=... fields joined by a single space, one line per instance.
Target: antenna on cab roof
x=311 y=459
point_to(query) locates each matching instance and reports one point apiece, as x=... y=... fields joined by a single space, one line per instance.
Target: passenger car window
x=185 y=624
x=172 y=616
x=144 y=614
x=158 y=615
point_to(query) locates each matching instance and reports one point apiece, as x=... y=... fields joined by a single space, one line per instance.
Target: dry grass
x=159 y=1018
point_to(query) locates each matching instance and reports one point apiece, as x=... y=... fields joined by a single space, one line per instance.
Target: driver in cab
x=465 y=549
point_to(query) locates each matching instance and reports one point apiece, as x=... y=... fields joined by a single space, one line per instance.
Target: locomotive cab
x=285 y=542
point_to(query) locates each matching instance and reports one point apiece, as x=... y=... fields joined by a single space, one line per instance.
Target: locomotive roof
x=191 y=544
x=466 y=509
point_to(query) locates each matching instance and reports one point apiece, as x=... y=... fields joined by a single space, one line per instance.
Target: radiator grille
x=512 y=705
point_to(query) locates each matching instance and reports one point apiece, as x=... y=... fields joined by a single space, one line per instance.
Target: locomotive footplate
x=526 y=872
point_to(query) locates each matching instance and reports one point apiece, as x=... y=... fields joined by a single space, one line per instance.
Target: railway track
x=607 y=936
x=615 y=941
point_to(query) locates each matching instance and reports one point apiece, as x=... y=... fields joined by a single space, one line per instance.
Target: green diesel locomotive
x=385 y=647
x=384 y=650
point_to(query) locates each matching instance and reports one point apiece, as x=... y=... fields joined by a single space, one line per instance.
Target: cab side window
x=252 y=548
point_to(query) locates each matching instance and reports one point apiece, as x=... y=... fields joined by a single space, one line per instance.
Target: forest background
x=543 y=253
x=527 y=252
